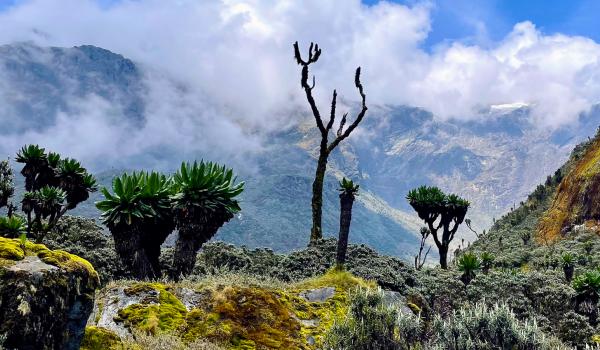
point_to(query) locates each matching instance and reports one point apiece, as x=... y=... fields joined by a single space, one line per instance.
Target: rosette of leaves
x=587 y=286
x=139 y=216
x=468 y=264
x=568 y=264
x=53 y=186
x=441 y=212
x=487 y=260
x=205 y=198
x=12 y=226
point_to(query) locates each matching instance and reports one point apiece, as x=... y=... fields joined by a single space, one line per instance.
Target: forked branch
x=314 y=52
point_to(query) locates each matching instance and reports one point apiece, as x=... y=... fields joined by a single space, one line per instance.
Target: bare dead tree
x=325 y=148
x=420 y=258
x=468 y=222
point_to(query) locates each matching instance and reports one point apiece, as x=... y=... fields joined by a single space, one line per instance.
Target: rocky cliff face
x=46 y=296
x=577 y=199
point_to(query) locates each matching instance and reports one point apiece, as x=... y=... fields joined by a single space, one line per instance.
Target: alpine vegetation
x=348 y=191
x=146 y=207
x=204 y=199
x=442 y=213
x=325 y=147
x=139 y=216
x=53 y=186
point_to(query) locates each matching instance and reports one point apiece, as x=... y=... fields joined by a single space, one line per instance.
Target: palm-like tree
x=204 y=200
x=468 y=264
x=587 y=287
x=75 y=180
x=568 y=264
x=348 y=191
x=49 y=202
x=53 y=186
x=36 y=169
x=487 y=259
x=156 y=192
x=137 y=214
x=440 y=212
x=12 y=226
x=46 y=204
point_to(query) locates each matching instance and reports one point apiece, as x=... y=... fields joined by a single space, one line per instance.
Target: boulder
x=226 y=309
x=46 y=296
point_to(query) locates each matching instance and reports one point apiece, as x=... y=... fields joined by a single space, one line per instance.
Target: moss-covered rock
x=46 y=296
x=97 y=338
x=84 y=238
x=238 y=315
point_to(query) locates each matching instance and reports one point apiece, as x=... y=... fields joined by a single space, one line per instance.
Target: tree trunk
x=132 y=254
x=191 y=238
x=317 y=196
x=568 y=270
x=156 y=234
x=346 y=201
x=186 y=248
x=443 y=256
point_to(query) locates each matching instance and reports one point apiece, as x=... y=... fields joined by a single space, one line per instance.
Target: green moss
x=246 y=318
x=166 y=315
x=576 y=199
x=14 y=250
x=98 y=338
x=11 y=250
x=100 y=304
x=335 y=277
x=67 y=261
x=243 y=317
x=414 y=308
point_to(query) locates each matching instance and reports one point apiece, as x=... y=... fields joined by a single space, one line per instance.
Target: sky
x=462 y=19
x=454 y=58
x=491 y=20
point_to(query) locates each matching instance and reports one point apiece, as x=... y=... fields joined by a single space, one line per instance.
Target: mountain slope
x=543 y=227
x=493 y=160
x=577 y=199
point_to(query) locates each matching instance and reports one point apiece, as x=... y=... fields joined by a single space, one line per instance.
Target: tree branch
x=342 y=123
x=434 y=234
x=313 y=55
x=358 y=119
x=332 y=116
x=468 y=222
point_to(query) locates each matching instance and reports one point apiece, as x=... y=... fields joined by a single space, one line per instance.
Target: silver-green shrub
x=369 y=325
x=373 y=325
x=482 y=327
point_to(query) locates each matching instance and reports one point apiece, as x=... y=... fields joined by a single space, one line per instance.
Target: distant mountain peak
x=508 y=107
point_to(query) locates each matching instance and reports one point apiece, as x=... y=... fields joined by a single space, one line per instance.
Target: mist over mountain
x=114 y=114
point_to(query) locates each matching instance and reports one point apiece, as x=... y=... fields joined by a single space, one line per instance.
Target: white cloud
x=237 y=55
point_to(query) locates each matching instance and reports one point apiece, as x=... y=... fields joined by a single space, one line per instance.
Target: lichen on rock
x=240 y=316
x=45 y=296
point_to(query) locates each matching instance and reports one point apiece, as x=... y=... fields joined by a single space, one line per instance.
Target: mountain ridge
x=492 y=161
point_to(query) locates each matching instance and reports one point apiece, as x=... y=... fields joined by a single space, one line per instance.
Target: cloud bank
x=235 y=60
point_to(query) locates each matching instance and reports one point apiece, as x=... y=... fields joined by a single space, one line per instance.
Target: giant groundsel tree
x=442 y=213
x=204 y=200
x=53 y=186
x=348 y=191
x=139 y=216
x=325 y=147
